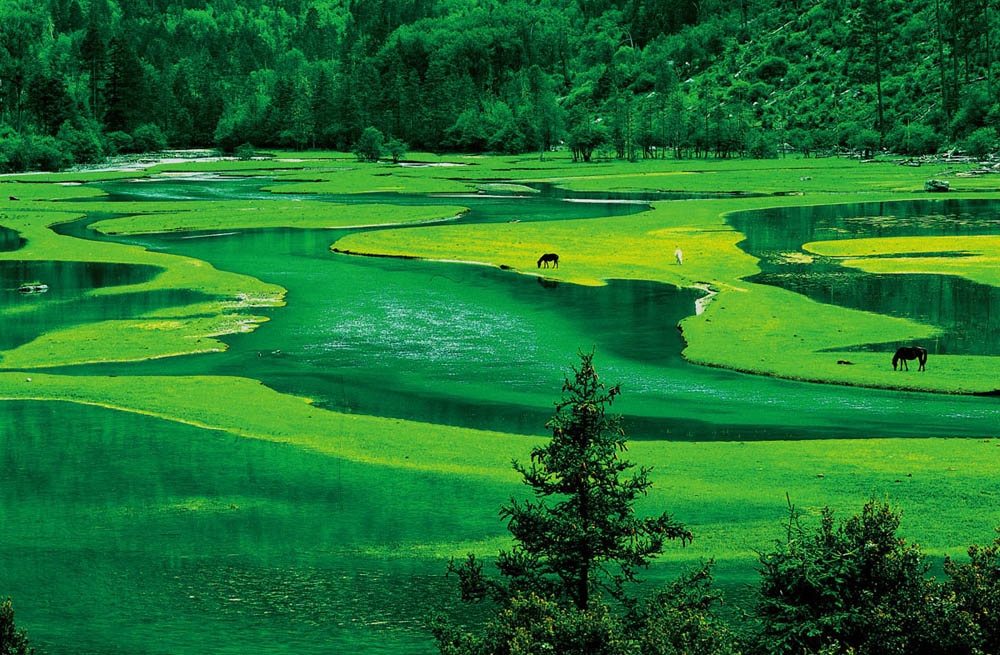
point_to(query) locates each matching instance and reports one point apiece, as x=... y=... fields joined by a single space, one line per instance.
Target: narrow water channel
x=966 y=312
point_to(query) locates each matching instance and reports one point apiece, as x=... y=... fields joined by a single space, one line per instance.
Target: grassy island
x=731 y=493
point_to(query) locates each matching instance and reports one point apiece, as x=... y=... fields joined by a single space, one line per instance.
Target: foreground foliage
x=853 y=587
x=579 y=538
x=856 y=587
x=582 y=535
x=13 y=640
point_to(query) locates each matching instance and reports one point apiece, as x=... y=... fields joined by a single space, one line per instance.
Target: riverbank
x=250 y=514
x=747 y=327
x=750 y=328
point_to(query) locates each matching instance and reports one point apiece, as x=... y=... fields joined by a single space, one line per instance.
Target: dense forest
x=81 y=79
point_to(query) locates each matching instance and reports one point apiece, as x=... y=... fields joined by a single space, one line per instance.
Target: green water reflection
x=10 y=240
x=967 y=312
x=124 y=534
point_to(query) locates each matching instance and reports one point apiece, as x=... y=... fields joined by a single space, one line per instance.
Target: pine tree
x=13 y=641
x=581 y=534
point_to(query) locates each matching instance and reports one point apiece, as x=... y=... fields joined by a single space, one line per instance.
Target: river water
x=126 y=534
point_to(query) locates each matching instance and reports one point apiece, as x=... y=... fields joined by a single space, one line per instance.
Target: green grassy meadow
x=732 y=494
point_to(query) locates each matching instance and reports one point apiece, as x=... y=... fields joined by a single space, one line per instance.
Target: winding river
x=99 y=565
x=479 y=347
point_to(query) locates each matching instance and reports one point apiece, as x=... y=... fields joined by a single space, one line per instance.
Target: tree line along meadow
x=83 y=79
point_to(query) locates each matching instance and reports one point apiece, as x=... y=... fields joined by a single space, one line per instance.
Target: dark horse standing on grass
x=549 y=257
x=910 y=352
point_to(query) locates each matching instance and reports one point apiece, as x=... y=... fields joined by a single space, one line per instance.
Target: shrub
x=762 y=145
x=532 y=624
x=149 y=138
x=772 y=70
x=981 y=142
x=25 y=152
x=914 y=139
x=369 y=145
x=12 y=640
x=116 y=143
x=245 y=152
x=856 y=587
x=976 y=586
x=84 y=145
x=680 y=620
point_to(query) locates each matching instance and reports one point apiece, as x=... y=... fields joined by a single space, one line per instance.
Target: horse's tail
x=923 y=356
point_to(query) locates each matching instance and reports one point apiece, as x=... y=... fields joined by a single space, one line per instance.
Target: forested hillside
x=80 y=79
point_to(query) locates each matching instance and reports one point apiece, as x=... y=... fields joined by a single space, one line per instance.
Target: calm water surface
x=966 y=311
x=126 y=534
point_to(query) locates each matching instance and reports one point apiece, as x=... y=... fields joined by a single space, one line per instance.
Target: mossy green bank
x=732 y=494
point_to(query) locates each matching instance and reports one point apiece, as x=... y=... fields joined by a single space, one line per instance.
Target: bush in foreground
x=853 y=587
x=13 y=641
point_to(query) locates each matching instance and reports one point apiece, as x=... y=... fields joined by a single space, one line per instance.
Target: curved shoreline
x=701 y=304
x=638 y=246
x=740 y=326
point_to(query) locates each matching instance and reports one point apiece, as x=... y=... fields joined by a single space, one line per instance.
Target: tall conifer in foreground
x=579 y=537
x=13 y=641
x=580 y=534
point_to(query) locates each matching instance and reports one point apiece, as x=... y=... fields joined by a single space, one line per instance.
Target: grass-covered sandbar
x=779 y=333
x=731 y=493
x=749 y=327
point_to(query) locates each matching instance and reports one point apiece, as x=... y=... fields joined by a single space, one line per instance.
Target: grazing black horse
x=549 y=257
x=910 y=352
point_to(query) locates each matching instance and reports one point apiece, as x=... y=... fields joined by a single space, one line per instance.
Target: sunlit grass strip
x=25 y=194
x=747 y=327
x=974 y=257
x=771 y=331
x=732 y=494
x=239 y=215
x=127 y=340
x=591 y=251
x=211 y=402
x=230 y=299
